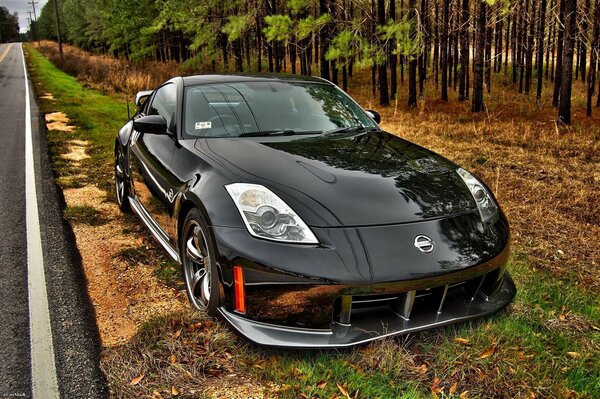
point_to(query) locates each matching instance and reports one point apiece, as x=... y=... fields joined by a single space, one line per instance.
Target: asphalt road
x=73 y=336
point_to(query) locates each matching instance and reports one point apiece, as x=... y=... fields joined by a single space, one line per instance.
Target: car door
x=151 y=157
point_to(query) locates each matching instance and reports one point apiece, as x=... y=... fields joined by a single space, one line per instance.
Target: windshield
x=244 y=108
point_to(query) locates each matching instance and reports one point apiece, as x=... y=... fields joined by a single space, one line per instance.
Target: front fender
x=125 y=133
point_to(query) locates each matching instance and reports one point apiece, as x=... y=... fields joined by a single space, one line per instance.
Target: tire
x=198 y=261
x=122 y=184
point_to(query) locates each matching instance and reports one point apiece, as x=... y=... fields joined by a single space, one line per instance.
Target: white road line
x=43 y=368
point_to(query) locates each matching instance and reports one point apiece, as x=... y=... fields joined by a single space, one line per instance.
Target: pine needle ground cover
x=546 y=344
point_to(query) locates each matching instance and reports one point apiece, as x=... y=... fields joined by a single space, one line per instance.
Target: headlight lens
x=488 y=210
x=267 y=216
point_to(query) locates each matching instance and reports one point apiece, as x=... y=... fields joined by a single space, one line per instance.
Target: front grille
x=349 y=309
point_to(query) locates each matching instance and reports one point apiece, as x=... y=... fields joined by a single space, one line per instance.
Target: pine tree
x=564 y=106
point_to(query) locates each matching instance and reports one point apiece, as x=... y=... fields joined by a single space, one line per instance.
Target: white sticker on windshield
x=203 y=125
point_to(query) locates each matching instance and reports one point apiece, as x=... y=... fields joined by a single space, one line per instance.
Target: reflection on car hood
x=348 y=180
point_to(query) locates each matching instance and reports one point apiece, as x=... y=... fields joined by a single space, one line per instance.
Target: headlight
x=267 y=216
x=485 y=203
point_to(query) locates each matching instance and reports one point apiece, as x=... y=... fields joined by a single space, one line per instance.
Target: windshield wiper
x=348 y=129
x=287 y=132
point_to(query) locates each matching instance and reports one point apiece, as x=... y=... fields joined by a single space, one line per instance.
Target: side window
x=164 y=103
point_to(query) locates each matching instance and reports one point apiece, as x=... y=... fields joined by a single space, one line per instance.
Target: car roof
x=256 y=77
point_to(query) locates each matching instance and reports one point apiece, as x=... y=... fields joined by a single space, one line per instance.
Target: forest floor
x=546 y=344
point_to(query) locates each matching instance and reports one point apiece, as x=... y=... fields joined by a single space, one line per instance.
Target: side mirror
x=154 y=124
x=374 y=115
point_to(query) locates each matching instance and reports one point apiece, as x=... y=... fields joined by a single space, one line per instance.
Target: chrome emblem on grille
x=424 y=244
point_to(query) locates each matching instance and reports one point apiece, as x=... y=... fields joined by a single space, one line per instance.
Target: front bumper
x=364 y=283
x=374 y=323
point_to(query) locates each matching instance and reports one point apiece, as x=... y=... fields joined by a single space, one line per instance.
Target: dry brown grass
x=182 y=354
x=106 y=73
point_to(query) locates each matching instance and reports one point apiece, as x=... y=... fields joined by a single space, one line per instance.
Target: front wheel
x=199 y=264
x=121 y=181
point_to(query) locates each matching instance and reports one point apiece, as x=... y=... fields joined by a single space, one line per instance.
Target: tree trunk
x=373 y=67
x=412 y=63
x=477 y=105
x=450 y=44
x=498 y=56
x=488 y=54
x=425 y=52
x=550 y=29
x=564 y=106
x=384 y=98
x=436 y=45
x=324 y=42
x=402 y=56
x=559 y=53
x=237 y=51
x=591 y=78
x=584 y=39
x=392 y=56
x=58 y=35
x=515 y=43
x=508 y=21
x=530 y=48
x=444 y=50
x=455 y=40
x=464 y=50
x=259 y=34
x=540 y=65
x=292 y=52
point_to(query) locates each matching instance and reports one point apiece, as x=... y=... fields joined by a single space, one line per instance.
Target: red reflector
x=238 y=285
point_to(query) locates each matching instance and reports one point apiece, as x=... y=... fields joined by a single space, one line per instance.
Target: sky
x=22 y=6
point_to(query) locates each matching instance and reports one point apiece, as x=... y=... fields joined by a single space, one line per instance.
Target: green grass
x=546 y=344
x=98 y=117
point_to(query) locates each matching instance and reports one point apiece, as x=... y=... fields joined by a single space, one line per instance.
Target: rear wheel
x=121 y=181
x=199 y=264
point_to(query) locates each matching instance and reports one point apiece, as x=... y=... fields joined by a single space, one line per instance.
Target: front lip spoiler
x=341 y=336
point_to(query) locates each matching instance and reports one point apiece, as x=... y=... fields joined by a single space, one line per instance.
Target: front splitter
x=376 y=326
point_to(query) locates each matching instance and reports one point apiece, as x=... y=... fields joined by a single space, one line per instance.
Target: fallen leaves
x=487 y=353
x=562 y=315
x=453 y=388
x=436 y=386
x=172 y=359
x=461 y=341
x=344 y=391
x=321 y=384
x=574 y=355
x=137 y=380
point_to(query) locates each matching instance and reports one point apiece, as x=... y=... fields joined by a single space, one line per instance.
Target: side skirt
x=155 y=229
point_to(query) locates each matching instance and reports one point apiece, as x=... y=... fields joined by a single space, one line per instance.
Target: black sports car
x=299 y=221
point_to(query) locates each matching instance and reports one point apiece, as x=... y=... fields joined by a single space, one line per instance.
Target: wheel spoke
x=197 y=278
x=193 y=252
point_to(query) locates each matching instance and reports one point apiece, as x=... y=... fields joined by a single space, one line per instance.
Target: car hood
x=372 y=178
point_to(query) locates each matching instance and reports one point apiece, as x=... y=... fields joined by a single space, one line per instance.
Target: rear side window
x=164 y=103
